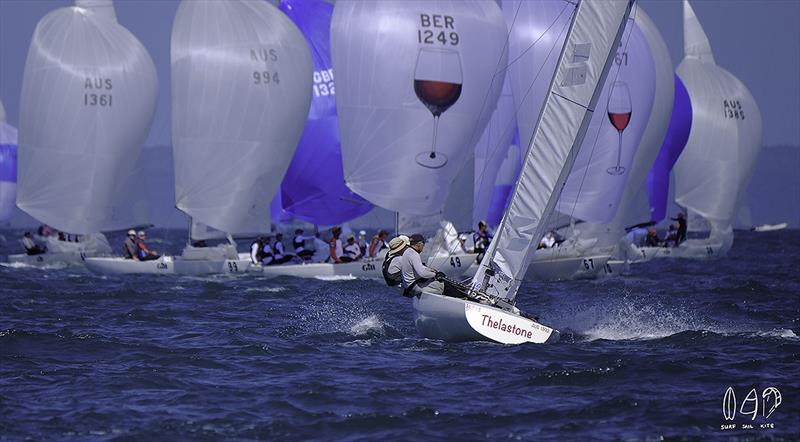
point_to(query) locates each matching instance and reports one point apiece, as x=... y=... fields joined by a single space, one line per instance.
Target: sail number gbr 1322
x=437 y=29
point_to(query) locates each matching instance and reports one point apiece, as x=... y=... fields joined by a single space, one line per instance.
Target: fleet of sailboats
x=538 y=116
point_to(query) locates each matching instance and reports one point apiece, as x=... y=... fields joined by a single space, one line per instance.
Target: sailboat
x=8 y=166
x=87 y=102
x=486 y=310
x=724 y=142
x=241 y=89
x=606 y=163
x=414 y=90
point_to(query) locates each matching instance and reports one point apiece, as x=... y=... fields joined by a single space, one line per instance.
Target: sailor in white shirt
x=417 y=276
x=352 y=251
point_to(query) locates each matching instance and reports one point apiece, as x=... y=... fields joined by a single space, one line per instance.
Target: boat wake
x=22 y=265
x=336 y=278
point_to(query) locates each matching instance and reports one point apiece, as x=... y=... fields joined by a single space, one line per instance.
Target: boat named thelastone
x=485 y=309
x=241 y=89
x=87 y=103
x=724 y=142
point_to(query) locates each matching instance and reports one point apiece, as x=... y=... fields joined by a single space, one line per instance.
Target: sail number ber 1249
x=437 y=28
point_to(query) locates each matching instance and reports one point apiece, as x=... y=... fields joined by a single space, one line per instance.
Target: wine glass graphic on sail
x=619 y=112
x=437 y=83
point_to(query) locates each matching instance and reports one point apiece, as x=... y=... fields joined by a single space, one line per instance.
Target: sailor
x=462 y=242
x=256 y=252
x=393 y=264
x=548 y=241
x=416 y=275
x=671 y=236
x=321 y=249
x=352 y=251
x=681 y=219
x=362 y=241
x=144 y=253
x=129 y=250
x=335 y=249
x=31 y=248
x=266 y=251
x=481 y=238
x=279 y=253
x=378 y=243
x=652 y=238
x=299 y=244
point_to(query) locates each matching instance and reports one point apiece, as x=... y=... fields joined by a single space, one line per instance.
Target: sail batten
x=583 y=65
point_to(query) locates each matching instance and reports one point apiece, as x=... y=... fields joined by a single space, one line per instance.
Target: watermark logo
x=750 y=408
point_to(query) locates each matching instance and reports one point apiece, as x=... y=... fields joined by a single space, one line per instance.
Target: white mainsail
x=573 y=94
x=725 y=138
x=416 y=82
x=241 y=90
x=88 y=98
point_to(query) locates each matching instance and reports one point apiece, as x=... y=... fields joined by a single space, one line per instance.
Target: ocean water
x=649 y=356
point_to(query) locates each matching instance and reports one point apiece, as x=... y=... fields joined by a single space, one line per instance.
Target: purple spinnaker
x=680 y=124
x=314 y=189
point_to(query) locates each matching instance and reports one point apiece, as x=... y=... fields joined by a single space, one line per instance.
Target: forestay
x=8 y=166
x=573 y=94
x=88 y=97
x=313 y=188
x=725 y=137
x=241 y=89
x=416 y=82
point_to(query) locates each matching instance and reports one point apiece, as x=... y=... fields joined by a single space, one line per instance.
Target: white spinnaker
x=633 y=206
x=241 y=90
x=88 y=98
x=725 y=139
x=8 y=166
x=380 y=49
x=573 y=94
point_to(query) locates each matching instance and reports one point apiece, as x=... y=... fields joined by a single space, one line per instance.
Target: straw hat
x=398 y=243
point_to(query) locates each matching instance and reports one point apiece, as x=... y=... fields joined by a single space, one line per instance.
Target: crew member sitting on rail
x=144 y=253
x=393 y=264
x=278 y=252
x=352 y=251
x=481 y=238
x=548 y=241
x=299 y=244
x=335 y=249
x=416 y=275
x=31 y=248
x=256 y=252
x=652 y=238
x=266 y=251
x=378 y=243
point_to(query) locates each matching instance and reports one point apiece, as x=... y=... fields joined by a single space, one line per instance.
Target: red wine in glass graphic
x=619 y=112
x=437 y=83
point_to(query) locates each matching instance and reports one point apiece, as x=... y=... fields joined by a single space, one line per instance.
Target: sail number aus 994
x=265 y=77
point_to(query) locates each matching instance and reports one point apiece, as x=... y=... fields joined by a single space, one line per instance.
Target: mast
x=583 y=65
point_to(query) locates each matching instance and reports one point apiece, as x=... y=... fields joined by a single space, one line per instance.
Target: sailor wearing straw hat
x=392 y=266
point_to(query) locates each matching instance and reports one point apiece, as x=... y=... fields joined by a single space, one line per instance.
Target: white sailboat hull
x=558 y=268
x=47 y=260
x=770 y=227
x=445 y=318
x=453 y=266
x=166 y=265
x=690 y=249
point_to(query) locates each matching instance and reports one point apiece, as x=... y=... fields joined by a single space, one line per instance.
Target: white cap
x=132 y=232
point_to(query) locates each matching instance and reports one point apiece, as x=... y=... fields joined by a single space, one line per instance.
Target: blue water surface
x=649 y=356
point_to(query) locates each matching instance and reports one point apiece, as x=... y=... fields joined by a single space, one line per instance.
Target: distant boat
x=88 y=98
x=485 y=309
x=241 y=89
x=770 y=227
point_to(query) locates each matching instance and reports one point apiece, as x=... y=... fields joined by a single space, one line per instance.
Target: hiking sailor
x=378 y=243
x=279 y=253
x=144 y=253
x=31 y=248
x=362 y=241
x=256 y=252
x=416 y=275
x=335 y=250
x=681 y=219
x=299 y=244
x=266 y=251
x=352 y=251
x=481 y=238
x=393 y=264
x=129 y=247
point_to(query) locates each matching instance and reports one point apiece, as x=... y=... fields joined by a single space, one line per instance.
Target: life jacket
x=298 y=243
x=392 y=279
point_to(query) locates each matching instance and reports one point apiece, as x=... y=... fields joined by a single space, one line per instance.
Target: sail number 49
x=455 y=261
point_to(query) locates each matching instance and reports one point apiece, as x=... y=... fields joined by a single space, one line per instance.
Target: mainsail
x=313 y=188
x=241 y=89
x=585 y=60
x=88 y=98
x=416 y=83
x=725 y=138
x=8 y=166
